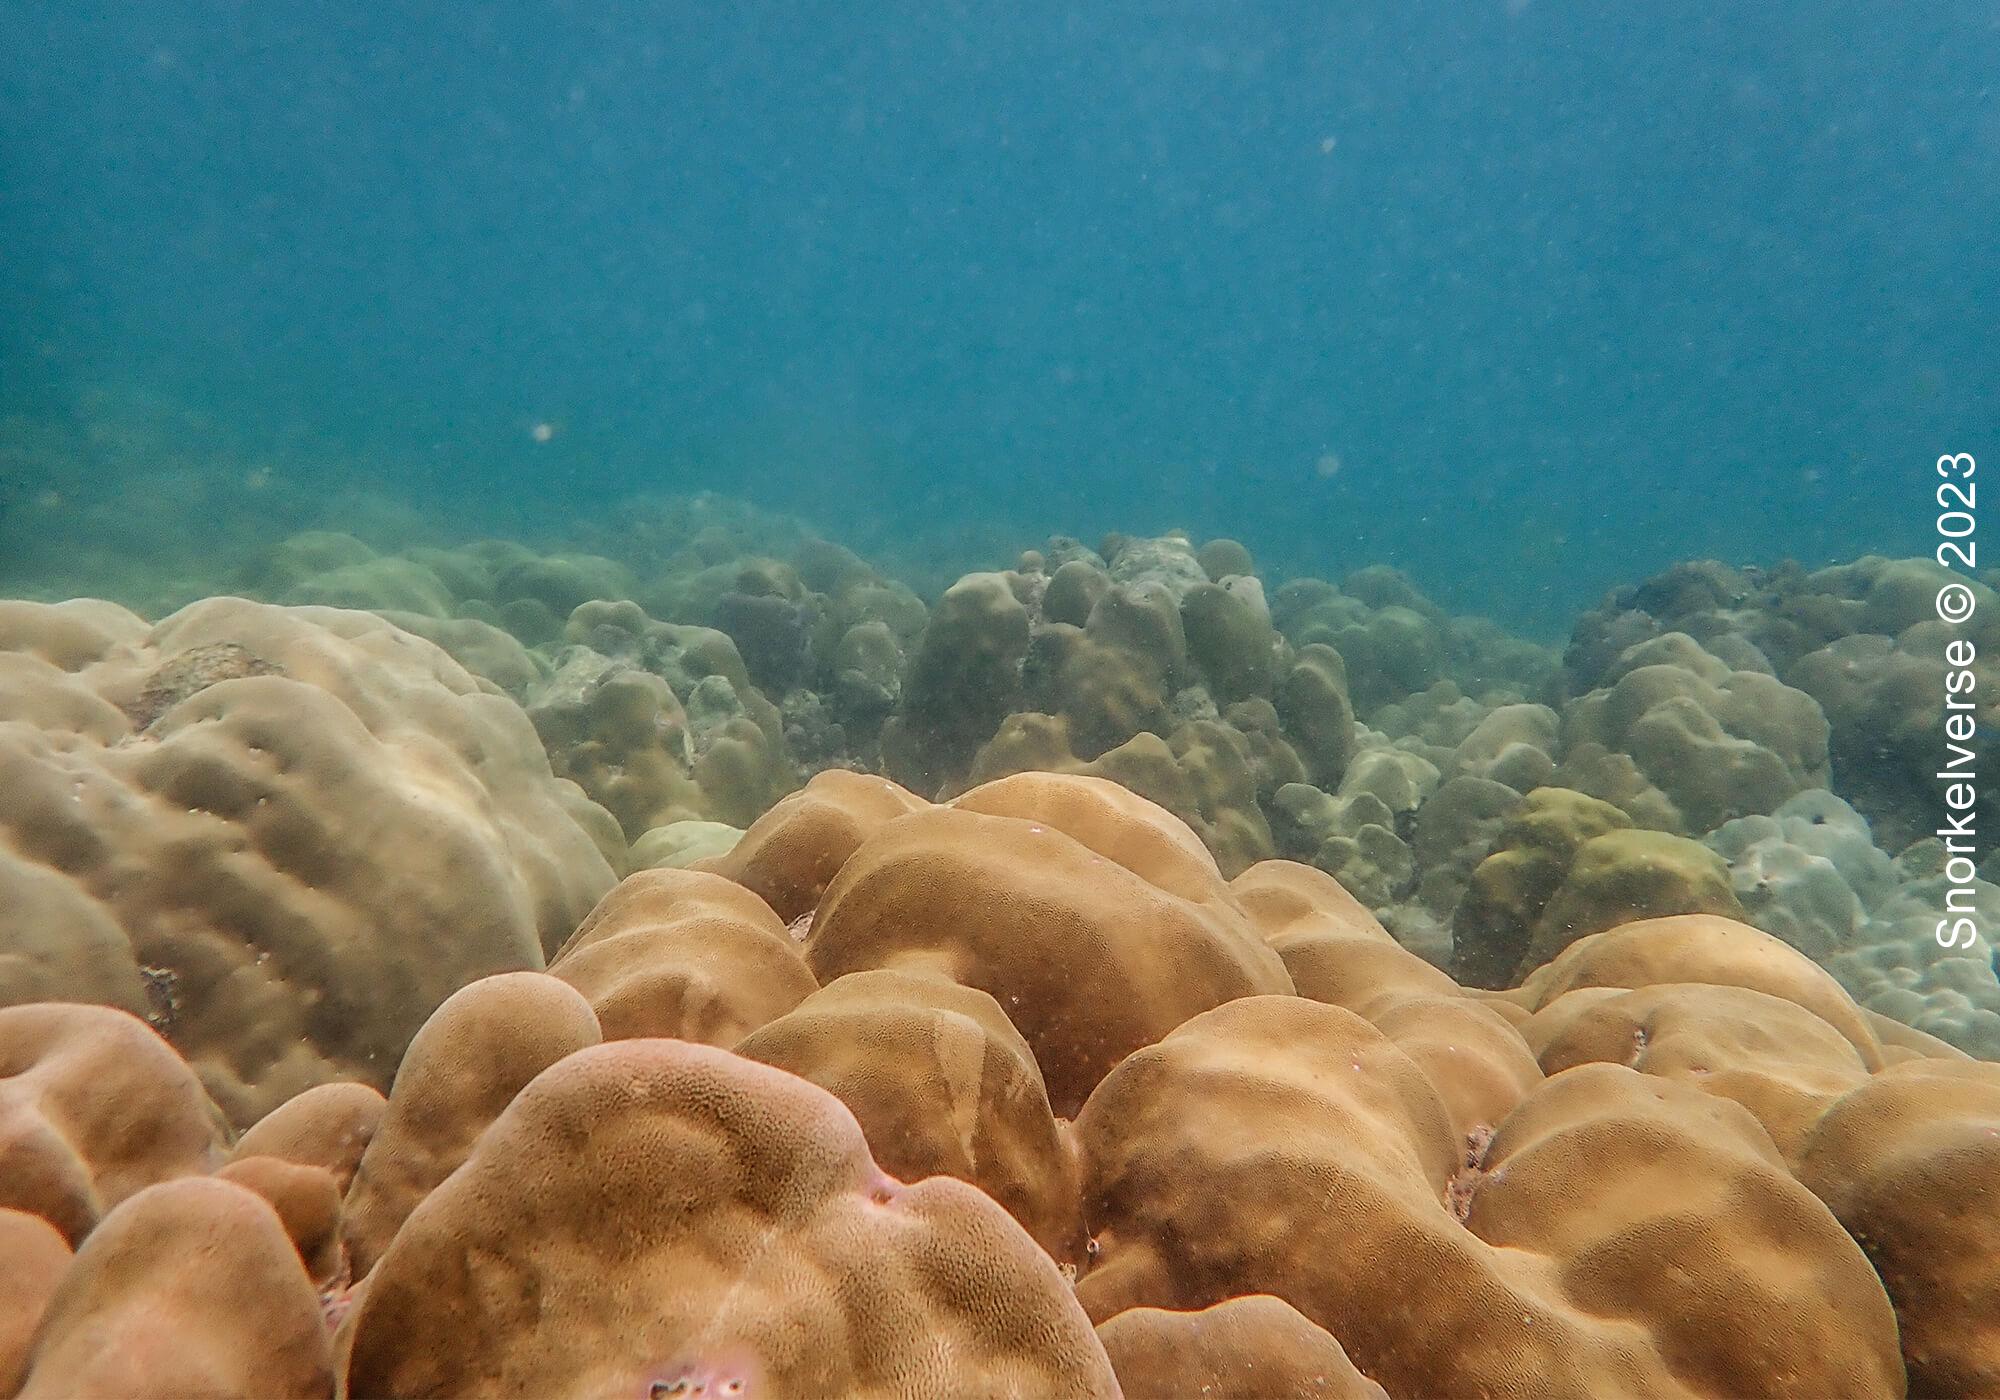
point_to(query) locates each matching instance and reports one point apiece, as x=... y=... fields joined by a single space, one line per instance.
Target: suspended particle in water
x=543 y=432
x=1328 y=466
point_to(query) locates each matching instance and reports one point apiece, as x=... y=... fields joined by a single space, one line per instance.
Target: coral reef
x=1119 y=973
x=702 y=691
x=1140 y=665
x=1812 y=874
x=1302 y=1160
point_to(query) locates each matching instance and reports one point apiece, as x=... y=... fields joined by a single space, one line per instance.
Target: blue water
x=1528 y=298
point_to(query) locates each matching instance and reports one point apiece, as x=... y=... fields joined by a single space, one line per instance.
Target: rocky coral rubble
x=1017 y=1094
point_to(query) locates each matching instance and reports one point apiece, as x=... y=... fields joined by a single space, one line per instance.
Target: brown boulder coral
x=1703 y=949
x=37 y=1256
x=774 y=1257
x=465 y=1066
x=189 y=1288
x=307 y=1200
x=1910 y=1163
x=1777 y=1059
x=1623 y=1234
x=1333 y=949
x=94 y=1107
x=791 y=853
x=942 y=1084
x=1119 y=825
x=1668 y=1208
x=686 y=955
x=1206 y=774
x=281 y=834
x=1043 y=891
x=1256 y=1348
x=327 y=1126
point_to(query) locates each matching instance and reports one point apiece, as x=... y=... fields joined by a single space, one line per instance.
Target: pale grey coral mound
x=1811 y=874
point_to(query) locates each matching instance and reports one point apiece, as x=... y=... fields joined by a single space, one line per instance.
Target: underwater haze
x=1527 y=298
x=1104 y=701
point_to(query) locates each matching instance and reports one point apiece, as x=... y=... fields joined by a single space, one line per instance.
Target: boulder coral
x=1909 y=1162
x=711 y=657
x=1208 y=775
x=1812 y=874
x=1683 y=742
x=684 y=954
x=792 y=852
x=1142 y=665
x=1506 y=893
x=94 y=1107
x=658 y=721
x=1808 y=872
x=1016 y=1094
x=1039 y=891
x=1516 y=1278
x=37 y=1257
x=281 y=835
x=653 y=1217
x=329 y=1127
x=190 y=1287
x=942 y=1085
x=463 y=1068
x=1256 y=1346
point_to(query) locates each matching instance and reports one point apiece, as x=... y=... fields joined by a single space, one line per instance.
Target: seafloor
x=1120 y=968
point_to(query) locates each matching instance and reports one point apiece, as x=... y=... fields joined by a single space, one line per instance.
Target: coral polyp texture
x=688 y=962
